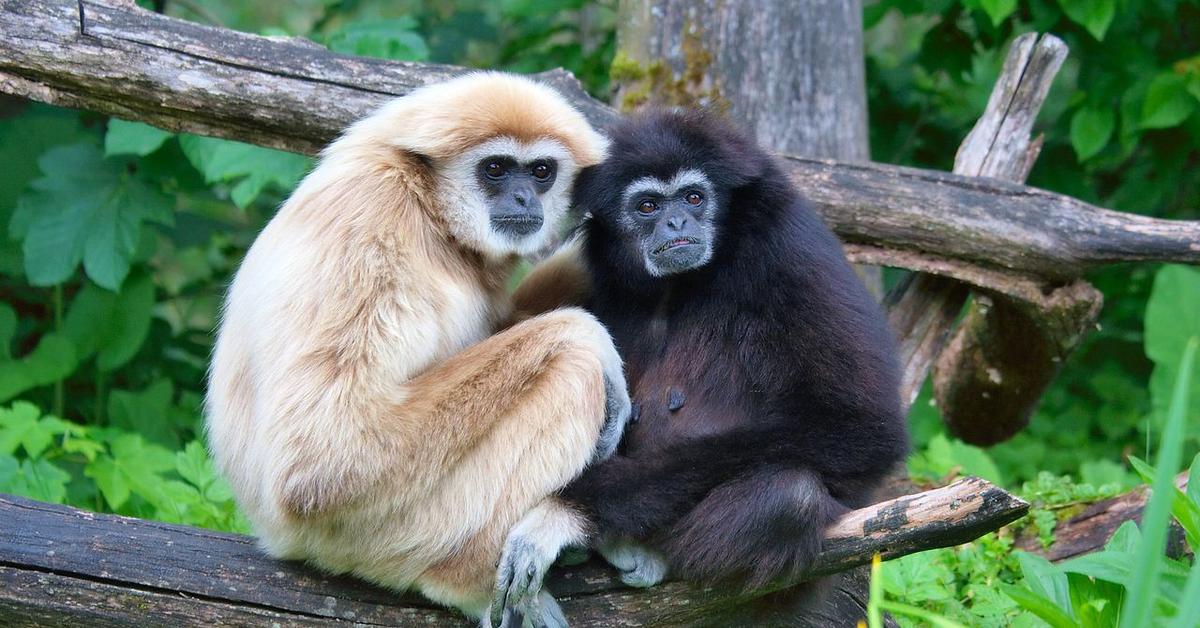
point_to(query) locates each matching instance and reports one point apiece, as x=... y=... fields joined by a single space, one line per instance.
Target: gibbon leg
x=551 y=397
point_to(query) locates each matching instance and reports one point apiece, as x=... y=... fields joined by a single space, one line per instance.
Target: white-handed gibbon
x=370 y=401
x=763 y=373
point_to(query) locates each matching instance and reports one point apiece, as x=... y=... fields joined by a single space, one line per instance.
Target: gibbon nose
x=521 y=199
x=677 y=221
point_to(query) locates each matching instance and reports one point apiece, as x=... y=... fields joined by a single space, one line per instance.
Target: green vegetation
x=117 y=239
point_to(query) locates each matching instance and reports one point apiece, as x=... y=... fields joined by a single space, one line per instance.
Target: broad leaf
x=388 y=39
x=36 y=479
x=133 y=465
x=250 y=168
x=22 y=425
x=1094 y=15
x=998 y=10
x=133 y=138
x=1167 y=102
x=1172 y=317
x=1091 y=128
x=146 y=412
x=1045 y=609
x=84 y=208
x=52 y=360
x=1045 y=579
x=113 y=326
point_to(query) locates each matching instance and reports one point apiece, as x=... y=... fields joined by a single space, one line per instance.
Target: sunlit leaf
x=1094 y=15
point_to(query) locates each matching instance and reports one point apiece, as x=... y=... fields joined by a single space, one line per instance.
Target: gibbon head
x=504 y=151
x=662 y=200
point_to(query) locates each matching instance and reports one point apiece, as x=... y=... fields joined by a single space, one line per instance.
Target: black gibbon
x=369 y=401
x=762 y=372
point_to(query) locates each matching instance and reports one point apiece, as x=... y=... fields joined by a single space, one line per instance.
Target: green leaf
x=114 y=326
x=387 y=39
x=1193 y=487
x=1045 y=579
x=1094 y=15
x=1172 y=317
x=52 y=360
x=1189 y=608
x=252 y=168
x=1038 y=605
x=83 y=208
x=133 y=138
x=998 y=10
x=1168 y=102
x=35 y=479
x=1091 y=128
x=33 y=132
x=1185 y=510
x=1156 y=517
x=134 y=465
x=146 y=412
x=21 y=425
x=944 y=455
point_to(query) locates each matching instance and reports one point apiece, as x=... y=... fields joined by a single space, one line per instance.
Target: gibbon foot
x=640 y=566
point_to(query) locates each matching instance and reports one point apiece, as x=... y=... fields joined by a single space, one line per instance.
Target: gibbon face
x=671 y=220
x=505 y=195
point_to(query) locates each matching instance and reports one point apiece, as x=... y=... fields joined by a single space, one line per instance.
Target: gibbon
x=369 y=402
x=763 y=374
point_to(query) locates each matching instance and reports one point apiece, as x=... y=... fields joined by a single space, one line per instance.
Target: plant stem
x=59 y=397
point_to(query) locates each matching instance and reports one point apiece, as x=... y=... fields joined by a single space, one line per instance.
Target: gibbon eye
x=494 y=169
x=541 y=172
x=693 y=198
x=647 y=207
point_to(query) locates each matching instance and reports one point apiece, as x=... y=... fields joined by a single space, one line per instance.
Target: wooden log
x=118 y=59
x=1009 y=347
x=1090 y=529
x=64 y=566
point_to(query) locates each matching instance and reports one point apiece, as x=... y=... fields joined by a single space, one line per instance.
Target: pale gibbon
x=370 y=402
x=763 y=372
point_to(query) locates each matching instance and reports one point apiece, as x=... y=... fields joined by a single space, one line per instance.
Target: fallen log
x=1090 y=529
x=118 y=59
x=64 y=566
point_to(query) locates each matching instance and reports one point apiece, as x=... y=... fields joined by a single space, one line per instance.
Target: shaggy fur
x=366 y=412
x=777 y=361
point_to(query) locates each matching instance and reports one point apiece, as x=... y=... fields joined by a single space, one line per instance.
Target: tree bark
x=792 y=72
x=63 y=566
x=291 y=94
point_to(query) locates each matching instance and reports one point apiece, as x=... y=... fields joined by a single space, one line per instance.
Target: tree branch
x=63 y=566
x=288 y=93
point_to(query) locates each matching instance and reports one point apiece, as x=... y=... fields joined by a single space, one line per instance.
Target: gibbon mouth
x=517 y=225
x=675 y=243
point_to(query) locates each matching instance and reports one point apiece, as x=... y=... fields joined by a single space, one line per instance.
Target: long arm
x=560 y=280
x=641 y=496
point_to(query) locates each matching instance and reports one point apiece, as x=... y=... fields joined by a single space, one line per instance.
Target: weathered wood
x=1090 y=529
x=60 y=565
x=1009 y=347
x=292 y=94
x=793 y=72
x=1013 y=350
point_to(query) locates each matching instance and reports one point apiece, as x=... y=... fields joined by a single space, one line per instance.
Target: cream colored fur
x=367 y=415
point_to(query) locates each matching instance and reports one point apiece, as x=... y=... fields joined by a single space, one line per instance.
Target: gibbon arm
x=560 y=280
x=639 y=496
